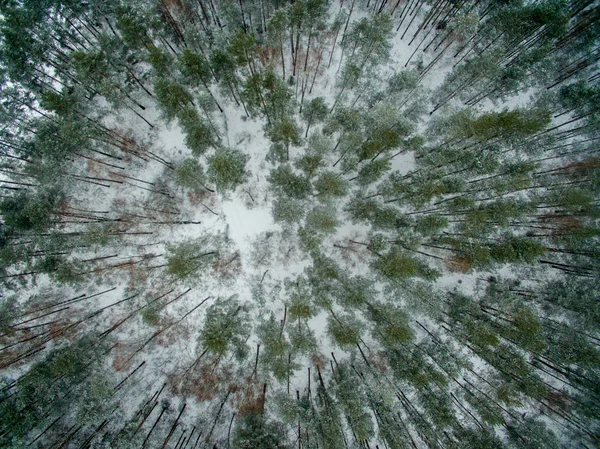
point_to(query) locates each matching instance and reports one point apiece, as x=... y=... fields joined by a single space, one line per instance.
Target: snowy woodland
x=312 y=224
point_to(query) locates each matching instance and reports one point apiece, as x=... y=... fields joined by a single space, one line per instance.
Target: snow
x=244 y=224
x=404 y=163
x=172 y=138
x=245 y=216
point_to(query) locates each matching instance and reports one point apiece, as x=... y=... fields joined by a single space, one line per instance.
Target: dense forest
x=312 y=224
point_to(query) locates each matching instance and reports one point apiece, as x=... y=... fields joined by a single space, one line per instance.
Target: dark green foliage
x=351 y=398
x=253 y=431
x=325 y=278
x=275 y=349
x=505 y=124
x=516 y=250
x=9 y=311
x=480 y=438
x=265 y=92
x=405 y=359
x=361 y=209
x=385 y=218
x=572 y=198
x=509 y=249
x=285 y=180
x=319 y=144
x=310 y=241
x=344 y=329
x=578 y=295
x=579 y=96
x=300 y=309
x=171 y=97
x=48 y=264
x=277 y=96
x=370 y=37
x=302 y=338
x=225 y=328
x=242 y=47
x=391 y=326
x=518 y=376
x=372 y=171
x=55 y=143
x=277 y=27
x=61 y=103
x=151 y=316
x=526 y=329
x=224 y=66
x=310 y=163
x=322 y=219
x=430 y=224
x=377 y=243
x=571 y=348
x=288 y=210
x=94 y=70
x=384 y=138
x=439 y=406
x=186 y=258
x=300 y=303
x=343 y=119
x=160 y=61
x=49 y=390
x=199 y=136
x=227 y=169
x=499 y=212
x=286 y=133
x=477 y=328
x=194 y=66
x=131 y=27
x=25 y=212
x=95 y=398
x=413 y=367
x=389 y=431
x=532 y=434
x=315 y=111
x=328 y=422
x=397 y=264
x=190 y=174
x=402 y=81
x=278 y=153
x=355 y=291
x=521 y=20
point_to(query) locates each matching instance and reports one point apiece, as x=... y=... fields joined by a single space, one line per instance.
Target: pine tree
x=224 y=328
x=226 y=169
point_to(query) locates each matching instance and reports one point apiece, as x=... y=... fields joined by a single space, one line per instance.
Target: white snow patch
x=172 y=136
x=403 y=163
x=245 y=224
